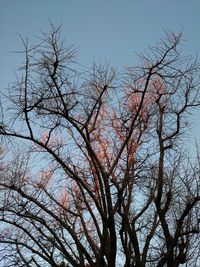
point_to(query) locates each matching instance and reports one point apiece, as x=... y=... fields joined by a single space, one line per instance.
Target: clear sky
x=101 y=29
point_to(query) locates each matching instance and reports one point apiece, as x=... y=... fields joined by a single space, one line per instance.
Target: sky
x=110 y=30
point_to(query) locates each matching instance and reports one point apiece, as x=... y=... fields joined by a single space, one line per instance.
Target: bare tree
x=104 y=178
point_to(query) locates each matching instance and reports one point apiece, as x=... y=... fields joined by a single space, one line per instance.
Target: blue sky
x=101 y=29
